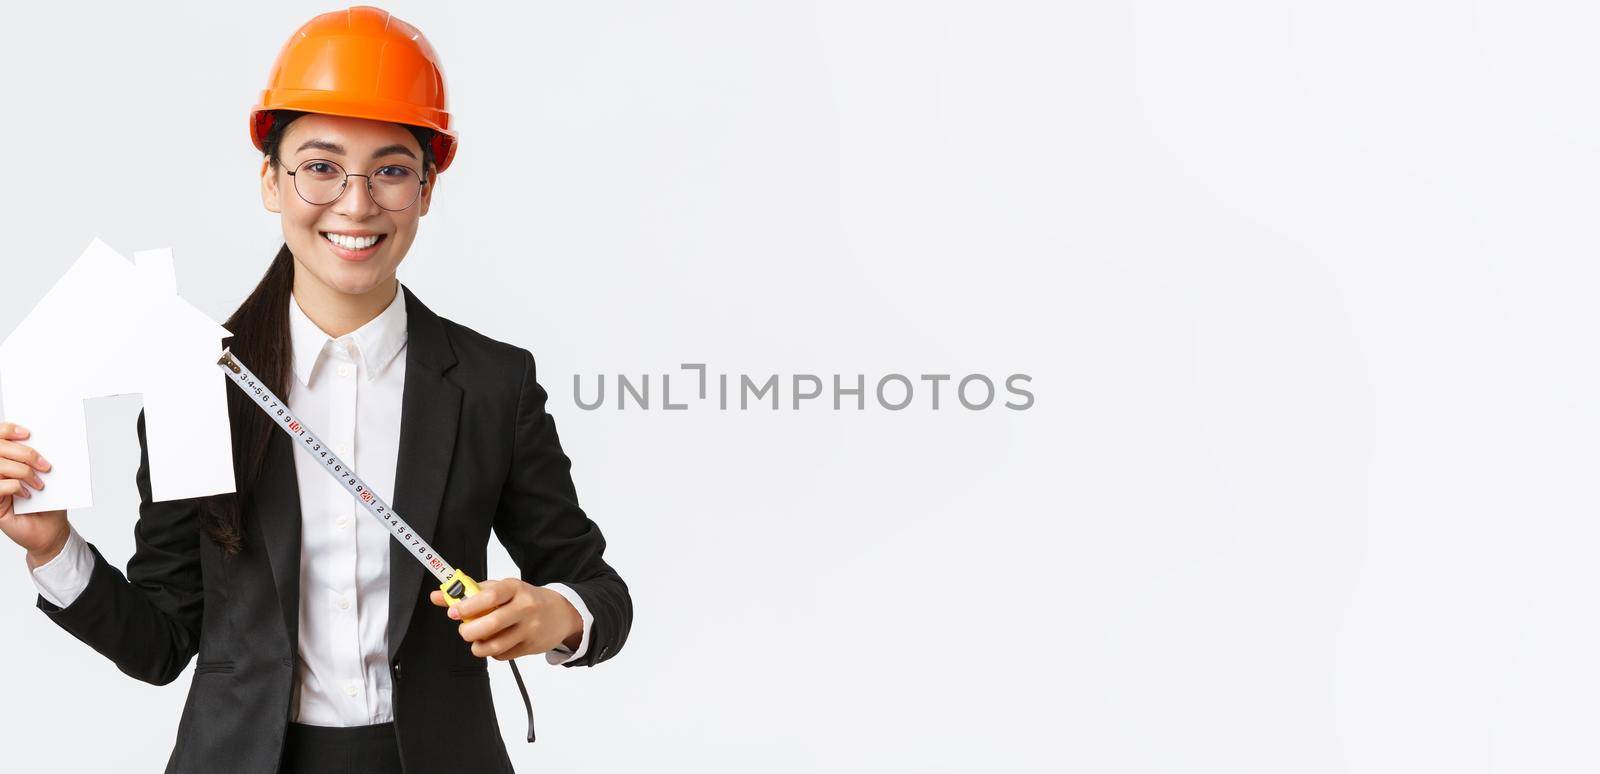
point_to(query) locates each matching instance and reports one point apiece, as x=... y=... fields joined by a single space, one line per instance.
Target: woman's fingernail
x=454 y=613
x=45 y=463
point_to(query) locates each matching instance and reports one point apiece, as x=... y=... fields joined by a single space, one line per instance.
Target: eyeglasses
x=393 y=187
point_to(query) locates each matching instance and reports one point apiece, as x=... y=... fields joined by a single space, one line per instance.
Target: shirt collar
x=377 y=342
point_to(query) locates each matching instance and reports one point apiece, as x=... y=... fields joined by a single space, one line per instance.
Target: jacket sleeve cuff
x=62 y=579
x=560 y=654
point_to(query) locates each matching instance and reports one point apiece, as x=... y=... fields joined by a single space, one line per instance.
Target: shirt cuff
x=64 y=577
x=559 y=654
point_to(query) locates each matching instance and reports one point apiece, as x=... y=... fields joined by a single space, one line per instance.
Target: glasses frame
x=345 y=186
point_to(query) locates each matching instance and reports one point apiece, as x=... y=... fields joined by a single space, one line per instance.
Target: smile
x=351 y=247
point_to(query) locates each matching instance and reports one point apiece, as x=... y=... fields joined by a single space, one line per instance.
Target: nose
x=356 y=201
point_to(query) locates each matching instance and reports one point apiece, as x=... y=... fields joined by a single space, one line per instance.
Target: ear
x=427 y=190
x=269 y=187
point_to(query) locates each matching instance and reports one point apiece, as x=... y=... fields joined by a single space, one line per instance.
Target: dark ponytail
x=260 y=338
x=260 y=328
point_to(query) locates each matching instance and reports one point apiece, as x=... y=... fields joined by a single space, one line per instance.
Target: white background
x=1304 y=287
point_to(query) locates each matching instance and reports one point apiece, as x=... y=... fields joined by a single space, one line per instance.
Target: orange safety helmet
x=361 y=62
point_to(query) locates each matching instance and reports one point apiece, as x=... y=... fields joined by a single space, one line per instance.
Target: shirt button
x=344 y=370
x=342 y=521
x=350 y=688
x=344 y=602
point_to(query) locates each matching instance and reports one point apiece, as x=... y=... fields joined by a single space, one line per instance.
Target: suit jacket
x=478 y=452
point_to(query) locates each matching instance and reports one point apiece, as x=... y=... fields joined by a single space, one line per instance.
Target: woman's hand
x=513 y=618
x=43 y=533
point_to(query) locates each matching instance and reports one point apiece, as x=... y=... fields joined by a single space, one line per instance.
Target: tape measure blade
x=308 y=441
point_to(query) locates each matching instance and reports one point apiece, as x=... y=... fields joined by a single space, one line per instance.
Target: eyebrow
x=333 y=147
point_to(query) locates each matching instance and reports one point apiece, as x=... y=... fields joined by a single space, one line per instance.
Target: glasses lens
x=395 y=187
x=319 y=181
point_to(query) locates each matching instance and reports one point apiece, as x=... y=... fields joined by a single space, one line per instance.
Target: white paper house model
x=110 y=327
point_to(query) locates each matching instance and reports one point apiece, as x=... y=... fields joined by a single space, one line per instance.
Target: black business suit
x=477 y=452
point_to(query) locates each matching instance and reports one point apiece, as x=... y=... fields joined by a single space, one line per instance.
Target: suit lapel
x=429 y=410
x=277 y=499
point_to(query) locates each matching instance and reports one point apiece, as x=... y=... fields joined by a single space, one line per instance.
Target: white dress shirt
x=349 y=390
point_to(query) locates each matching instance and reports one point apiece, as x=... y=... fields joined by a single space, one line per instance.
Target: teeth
x=351 y=242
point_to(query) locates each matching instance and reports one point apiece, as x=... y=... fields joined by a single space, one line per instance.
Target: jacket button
x=396 y=669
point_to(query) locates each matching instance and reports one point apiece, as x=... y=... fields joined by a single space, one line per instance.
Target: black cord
x=525 y=702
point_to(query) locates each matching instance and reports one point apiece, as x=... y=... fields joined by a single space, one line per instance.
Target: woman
x=313 y=654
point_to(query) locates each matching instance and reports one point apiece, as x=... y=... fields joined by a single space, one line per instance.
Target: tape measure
x=455 y=584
